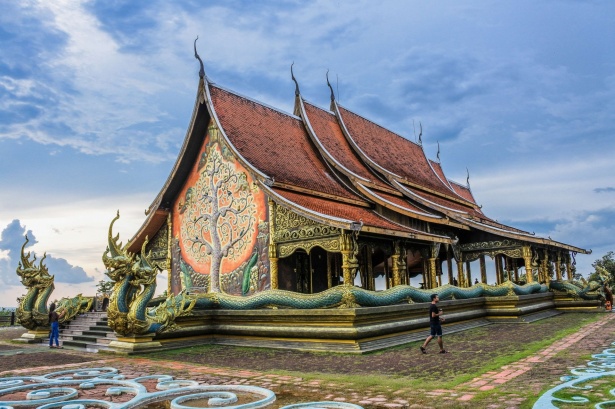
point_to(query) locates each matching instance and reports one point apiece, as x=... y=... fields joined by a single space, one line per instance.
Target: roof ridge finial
x=196 y=55
x=332 y=93
x=468 y=178
x=438 y=154
x=420 y=133
x=292 y=75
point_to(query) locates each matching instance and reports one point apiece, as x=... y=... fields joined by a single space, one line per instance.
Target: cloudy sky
x=96 y=96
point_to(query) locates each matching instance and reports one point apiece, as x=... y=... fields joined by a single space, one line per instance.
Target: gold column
x=432 y=272
x=349 y=250
x=501 y=266
x=273 y=251
x=483 y=269
x=395 y=267
x=569 y=267
x=460 y=275
x=527 y=257
x=169 y=254
x=558 y=266
x=545 y=267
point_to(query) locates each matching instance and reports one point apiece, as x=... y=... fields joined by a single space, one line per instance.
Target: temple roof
x=336 y=168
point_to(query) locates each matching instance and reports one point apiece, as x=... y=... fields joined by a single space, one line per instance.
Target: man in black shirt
x=435 y=318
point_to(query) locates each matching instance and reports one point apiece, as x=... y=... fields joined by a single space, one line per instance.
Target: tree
x=105 y=287
x=607 y=264
x=219 y=213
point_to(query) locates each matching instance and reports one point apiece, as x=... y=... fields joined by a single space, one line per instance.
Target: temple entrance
x=304 y=272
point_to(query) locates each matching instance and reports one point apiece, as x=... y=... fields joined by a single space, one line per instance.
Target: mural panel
x=220 y=224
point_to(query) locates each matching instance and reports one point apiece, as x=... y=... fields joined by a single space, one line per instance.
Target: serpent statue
x=583 y=289
x=32 y=311
x=135 y=284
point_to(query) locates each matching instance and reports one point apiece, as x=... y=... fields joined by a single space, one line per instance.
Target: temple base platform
x=36 y=336
x=349 y=330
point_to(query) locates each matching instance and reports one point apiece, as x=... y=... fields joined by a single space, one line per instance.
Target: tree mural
x=219 y=219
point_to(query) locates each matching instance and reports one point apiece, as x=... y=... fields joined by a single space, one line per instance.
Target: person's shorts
x=436 y=329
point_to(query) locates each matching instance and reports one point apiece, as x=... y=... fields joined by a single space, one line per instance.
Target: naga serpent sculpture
x=135 y=284
x=32 y=311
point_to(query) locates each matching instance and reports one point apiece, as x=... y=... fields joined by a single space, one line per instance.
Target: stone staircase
x=89 y=332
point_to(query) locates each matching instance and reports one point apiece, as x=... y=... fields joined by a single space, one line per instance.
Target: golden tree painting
x=219 y=213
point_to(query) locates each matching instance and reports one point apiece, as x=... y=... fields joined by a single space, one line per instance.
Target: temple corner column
x=273 y=251
x=527 y=257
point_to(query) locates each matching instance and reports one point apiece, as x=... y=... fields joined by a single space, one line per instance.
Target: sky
x=96 y=98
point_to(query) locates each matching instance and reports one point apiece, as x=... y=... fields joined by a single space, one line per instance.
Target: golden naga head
x=144 y=270
x=116 y=259
x=31 y=275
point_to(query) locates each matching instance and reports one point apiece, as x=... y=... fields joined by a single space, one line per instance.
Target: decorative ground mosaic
x=578 y=388
x=70 y=389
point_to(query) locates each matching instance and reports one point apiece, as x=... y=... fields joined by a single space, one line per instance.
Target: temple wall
x=220 y=226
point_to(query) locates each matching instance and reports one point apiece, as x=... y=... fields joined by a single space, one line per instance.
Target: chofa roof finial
x=292 y=75
x=330 y=87
x=332 y=106
x=438 y=154
x=196 y=55
x=468 y=178
x=420 y=133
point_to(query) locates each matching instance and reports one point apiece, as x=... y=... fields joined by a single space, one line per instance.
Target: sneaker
x=423 y=350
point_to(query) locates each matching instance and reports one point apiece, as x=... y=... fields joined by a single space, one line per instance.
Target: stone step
x=91 y=340
x=89 y=332
x=89 y=321
x=79 y=327
x=87 y=346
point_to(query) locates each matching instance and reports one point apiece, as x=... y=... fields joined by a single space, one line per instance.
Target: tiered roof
x=334 y=167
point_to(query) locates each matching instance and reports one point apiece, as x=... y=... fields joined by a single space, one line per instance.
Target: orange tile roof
x=463 y=192
x=394 y=153
x=275 y=143
x=440 y=173
x=343 y=211
x=330 y=135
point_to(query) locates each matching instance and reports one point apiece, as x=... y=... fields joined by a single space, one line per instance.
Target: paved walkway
x=460 y=396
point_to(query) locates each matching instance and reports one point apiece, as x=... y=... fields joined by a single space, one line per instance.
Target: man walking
x=435 y=319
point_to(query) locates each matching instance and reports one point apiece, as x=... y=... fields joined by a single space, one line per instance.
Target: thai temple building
x=264 y=199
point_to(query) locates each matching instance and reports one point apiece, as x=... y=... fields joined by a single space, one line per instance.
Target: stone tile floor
x=461 y=396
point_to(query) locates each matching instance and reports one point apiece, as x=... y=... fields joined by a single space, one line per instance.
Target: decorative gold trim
x=286 y=249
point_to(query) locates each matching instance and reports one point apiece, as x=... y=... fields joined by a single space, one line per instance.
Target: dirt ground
x=469 y=350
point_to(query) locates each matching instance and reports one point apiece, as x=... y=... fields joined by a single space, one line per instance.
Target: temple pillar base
x=34 y=336
x=134 y=344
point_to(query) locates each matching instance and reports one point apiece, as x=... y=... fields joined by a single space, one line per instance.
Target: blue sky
x=96 y=96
